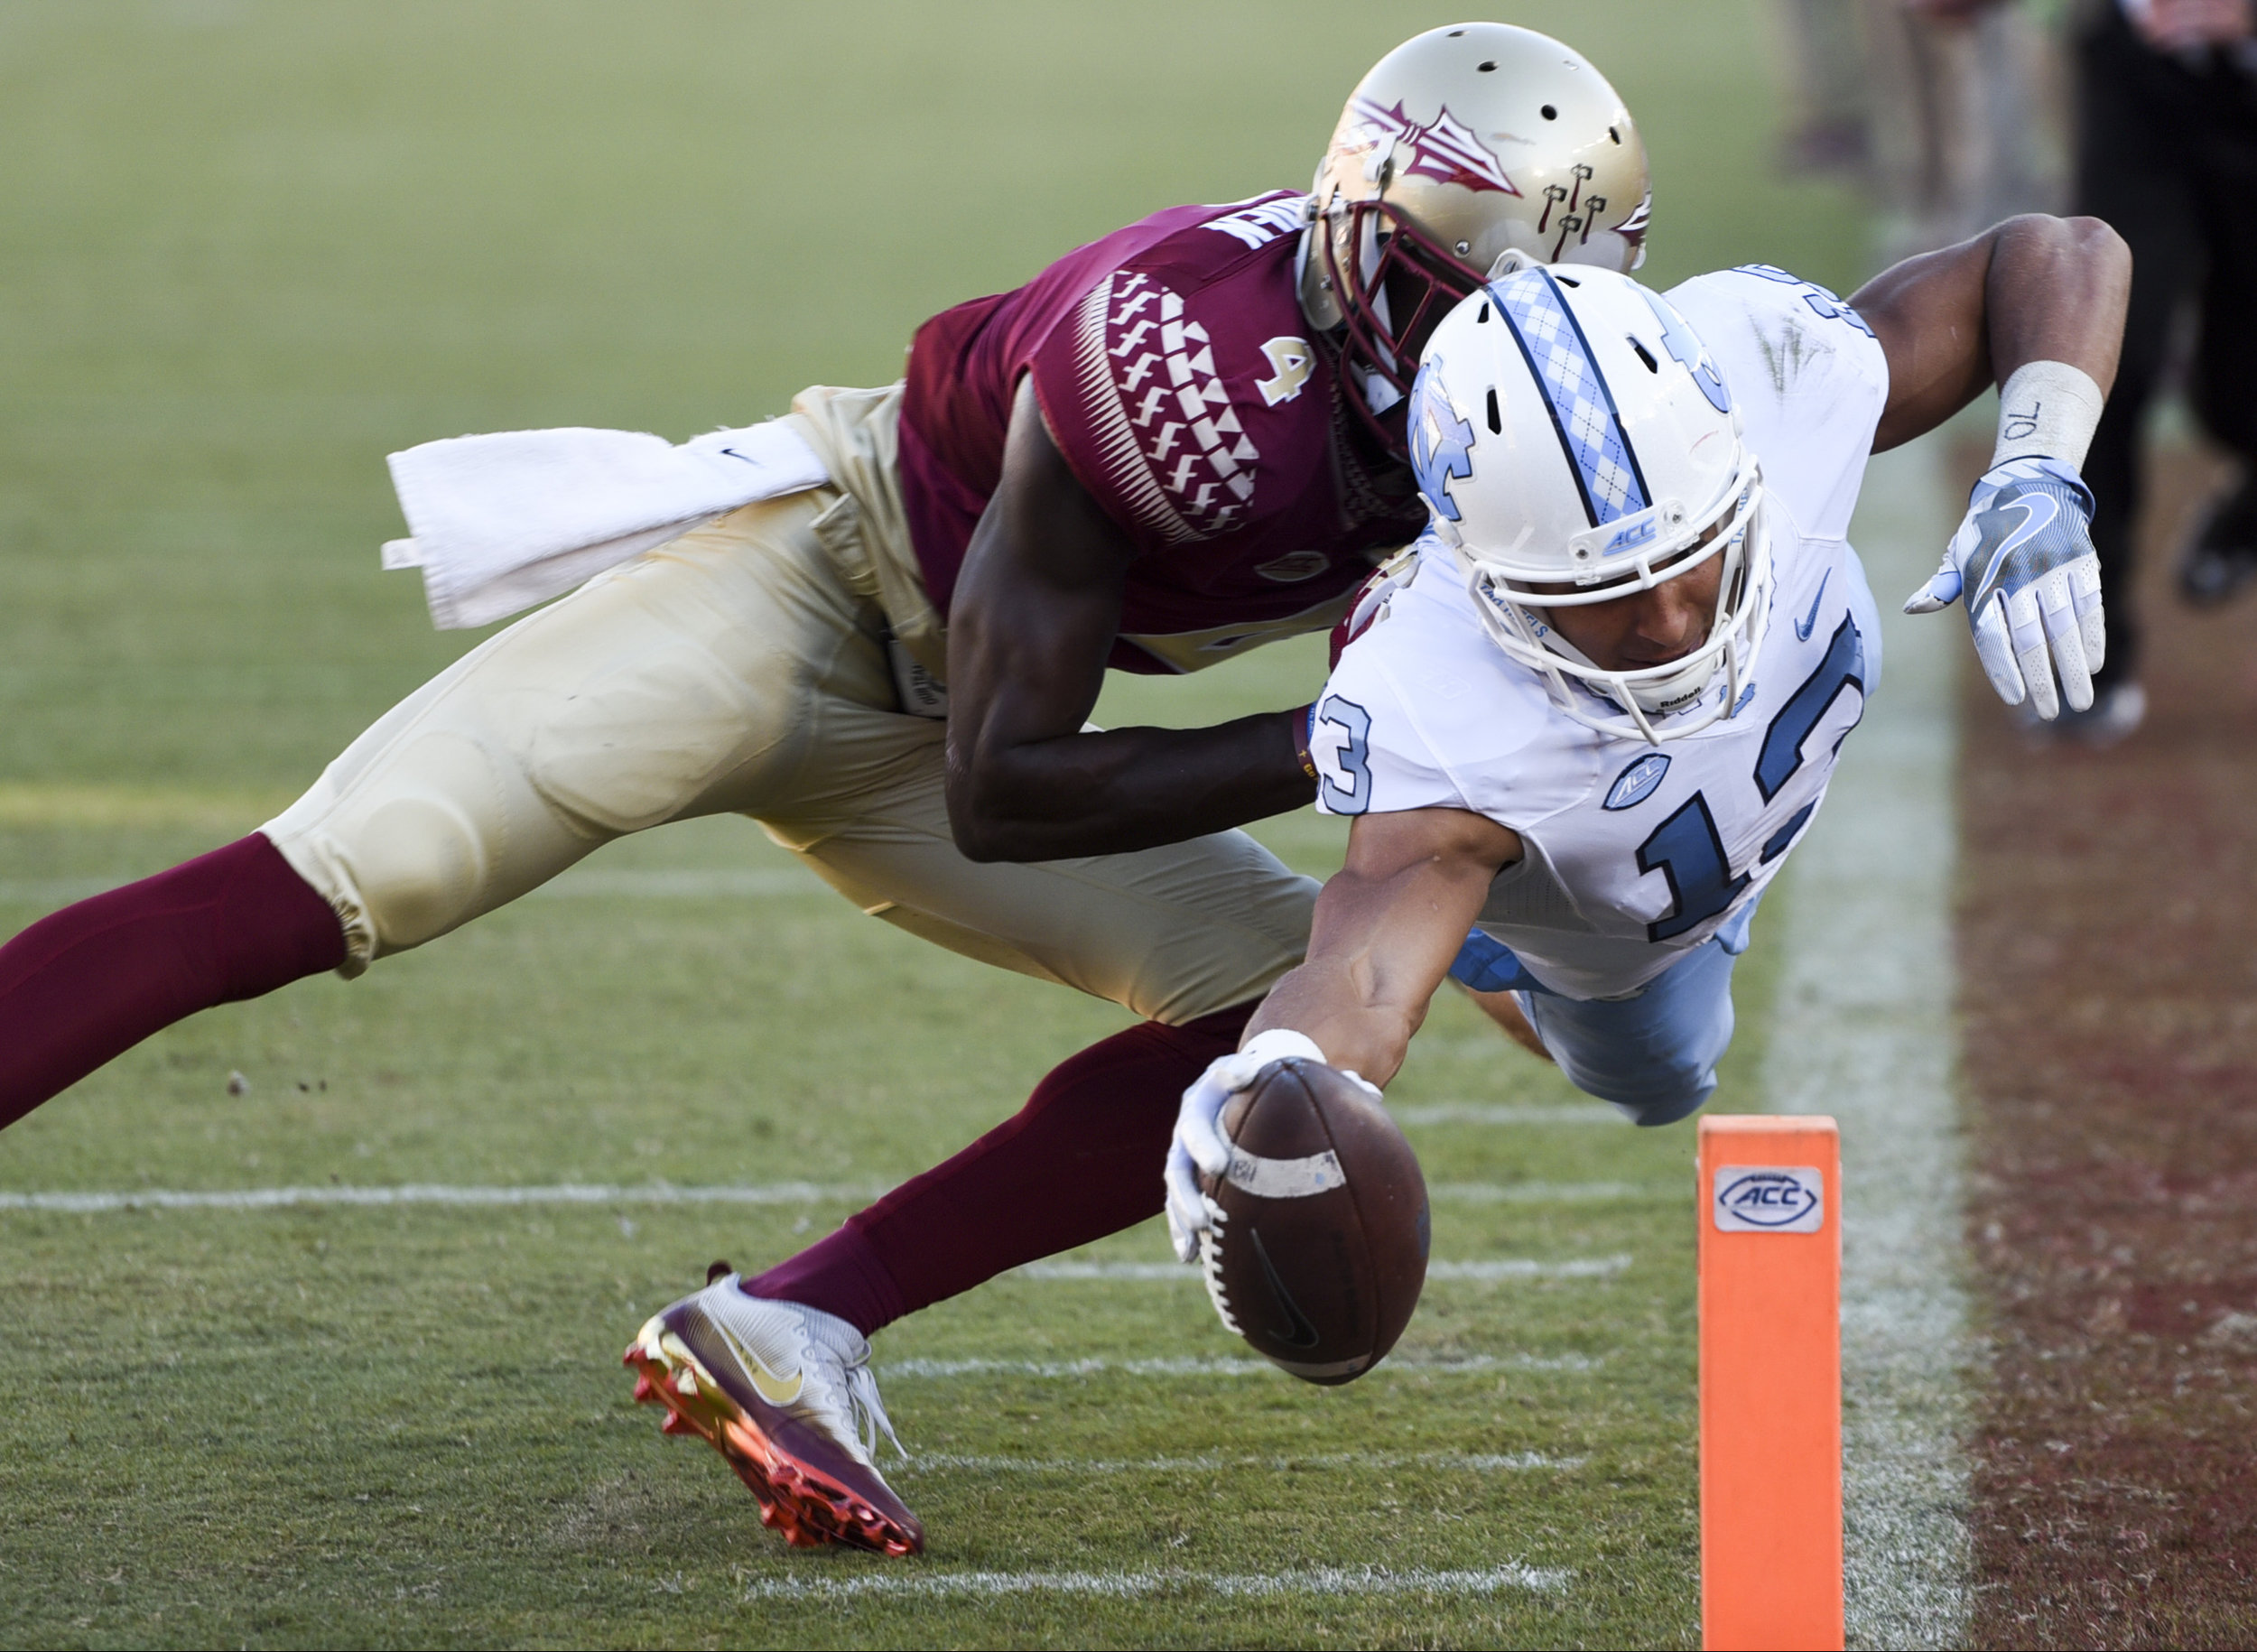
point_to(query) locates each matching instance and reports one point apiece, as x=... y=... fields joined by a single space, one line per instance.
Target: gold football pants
x=734 y=671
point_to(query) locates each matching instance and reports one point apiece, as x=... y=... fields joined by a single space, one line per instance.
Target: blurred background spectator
x=1950 y=111
x=2166 y=151
x=1955 y=113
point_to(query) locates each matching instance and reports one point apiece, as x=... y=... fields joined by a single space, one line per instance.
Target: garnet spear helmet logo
x=1445 y=149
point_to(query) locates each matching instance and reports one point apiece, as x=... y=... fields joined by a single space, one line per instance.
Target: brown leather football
x=1320 y=1251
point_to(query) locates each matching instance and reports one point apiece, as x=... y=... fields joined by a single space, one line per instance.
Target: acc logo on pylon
x=1769 y=1198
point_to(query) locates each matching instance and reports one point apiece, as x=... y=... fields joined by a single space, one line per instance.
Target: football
x=1320 y=1251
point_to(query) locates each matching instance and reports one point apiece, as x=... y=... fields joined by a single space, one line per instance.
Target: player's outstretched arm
x=1034 y=619
x=2037 y=306
x=1386 y=927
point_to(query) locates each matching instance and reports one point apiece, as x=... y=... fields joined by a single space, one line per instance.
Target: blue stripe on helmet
x=1575 y=395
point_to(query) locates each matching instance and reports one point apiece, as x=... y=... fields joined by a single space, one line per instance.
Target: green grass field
x=247 y=249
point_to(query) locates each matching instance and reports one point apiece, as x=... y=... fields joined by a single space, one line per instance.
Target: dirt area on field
x=2107 y=927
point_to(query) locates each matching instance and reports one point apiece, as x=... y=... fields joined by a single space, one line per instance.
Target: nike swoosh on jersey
x=2033 y=525
x=765 y=1383
x=1804 y=626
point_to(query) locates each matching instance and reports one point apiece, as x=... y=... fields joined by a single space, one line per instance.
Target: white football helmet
x=1576 y=444
x=1461 y=143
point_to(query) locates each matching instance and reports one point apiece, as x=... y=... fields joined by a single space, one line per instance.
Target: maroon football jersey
x=1175 y=370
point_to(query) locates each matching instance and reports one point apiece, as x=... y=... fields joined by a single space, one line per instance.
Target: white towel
x=502 y=522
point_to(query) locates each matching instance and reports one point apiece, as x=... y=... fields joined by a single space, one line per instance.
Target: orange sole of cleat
x=806 y=1506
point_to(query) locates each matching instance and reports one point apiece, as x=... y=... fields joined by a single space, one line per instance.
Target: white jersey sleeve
x=1369 y=754
x=1809 y=381
x=1425 y=712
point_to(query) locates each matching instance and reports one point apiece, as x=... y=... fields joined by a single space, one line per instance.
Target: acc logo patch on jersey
x=1636 y=783
x=1293 y=567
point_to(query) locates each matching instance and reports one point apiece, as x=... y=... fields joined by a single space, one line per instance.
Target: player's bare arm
x=1036 y=613
x=1386 y=927
x=1952 y=323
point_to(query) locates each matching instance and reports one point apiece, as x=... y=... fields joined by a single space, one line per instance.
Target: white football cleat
x=787 y=1395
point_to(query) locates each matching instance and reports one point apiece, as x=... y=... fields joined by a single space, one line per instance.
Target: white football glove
x=2024 y=564
x=1199 y=1145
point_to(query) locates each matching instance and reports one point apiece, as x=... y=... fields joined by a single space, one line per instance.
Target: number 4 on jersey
x=1291 y=362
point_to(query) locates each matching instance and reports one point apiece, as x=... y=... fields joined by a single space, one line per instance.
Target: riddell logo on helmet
x=1445 y=149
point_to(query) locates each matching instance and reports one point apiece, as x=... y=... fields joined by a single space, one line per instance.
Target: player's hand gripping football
x=2023 y=564
x=1198 y=1146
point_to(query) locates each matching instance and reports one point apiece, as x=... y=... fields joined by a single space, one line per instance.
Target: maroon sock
x=1080 y=1160
x=92 y=981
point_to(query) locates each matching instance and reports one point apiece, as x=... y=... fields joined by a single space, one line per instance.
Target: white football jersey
x=1637 y=853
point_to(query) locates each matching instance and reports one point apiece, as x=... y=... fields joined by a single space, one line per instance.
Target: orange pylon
x=1770 y=1313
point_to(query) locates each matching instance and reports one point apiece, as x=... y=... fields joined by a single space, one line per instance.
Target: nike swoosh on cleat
x=765 y=1383
x=1804 y=626
x=1298 y=1331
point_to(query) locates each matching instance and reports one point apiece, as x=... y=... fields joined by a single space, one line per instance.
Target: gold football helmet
x=1462 y=144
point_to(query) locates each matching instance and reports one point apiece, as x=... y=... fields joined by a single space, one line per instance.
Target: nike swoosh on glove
x=2023 y=564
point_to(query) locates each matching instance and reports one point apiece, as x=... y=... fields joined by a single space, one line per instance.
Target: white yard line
x=1129 y=1585
x=96 y=1202
x=1546 y=1192
x=1862 y=1029
x=1530 y=1267
x=428 y=1193
x=1483 y=1112
x=1468 y=1462
x=1503 y=1268
x=1052 y=1370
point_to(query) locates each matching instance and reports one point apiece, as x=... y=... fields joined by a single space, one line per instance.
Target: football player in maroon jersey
x=1178 y=442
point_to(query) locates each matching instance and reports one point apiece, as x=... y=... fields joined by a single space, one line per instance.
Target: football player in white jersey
x=1590 y=711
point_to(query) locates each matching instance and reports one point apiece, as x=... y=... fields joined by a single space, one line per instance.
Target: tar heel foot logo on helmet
x=1576 y=445
x=1462 y=145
